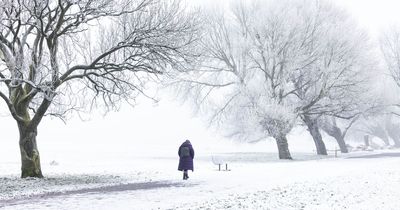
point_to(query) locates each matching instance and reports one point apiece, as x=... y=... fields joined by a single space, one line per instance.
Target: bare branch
x=11 y=108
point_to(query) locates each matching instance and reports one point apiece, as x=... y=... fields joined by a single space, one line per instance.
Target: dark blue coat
x=186 y=163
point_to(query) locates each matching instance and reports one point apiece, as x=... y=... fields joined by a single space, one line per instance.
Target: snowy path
x=97 y=190
x=343 y=183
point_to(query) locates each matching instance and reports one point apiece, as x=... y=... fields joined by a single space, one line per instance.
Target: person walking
x=186 y=155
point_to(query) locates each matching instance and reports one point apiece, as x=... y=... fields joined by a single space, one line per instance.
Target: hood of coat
x=186 y=143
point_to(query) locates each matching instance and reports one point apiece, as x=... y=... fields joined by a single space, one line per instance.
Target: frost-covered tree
x=62 y=56
x=268 y=62
x=337 y=130
x=334 y=82
x=338 y=125
x=376 y=127
x=390 y=52
x=383 y=125
x=390 y=48
x=243 y=83
x=386 y=126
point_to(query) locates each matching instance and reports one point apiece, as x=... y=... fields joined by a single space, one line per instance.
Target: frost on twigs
x=64 y=57
x=278 y=120
x=266 y=63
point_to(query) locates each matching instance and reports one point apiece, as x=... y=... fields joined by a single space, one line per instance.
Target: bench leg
x=226 y=166
x=219 y=167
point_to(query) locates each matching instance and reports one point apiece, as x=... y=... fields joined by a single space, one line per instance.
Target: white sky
x=374 y=14
x=167 y=124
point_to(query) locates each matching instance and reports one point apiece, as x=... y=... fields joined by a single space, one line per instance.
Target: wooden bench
x=219 y=161
x=336 y=150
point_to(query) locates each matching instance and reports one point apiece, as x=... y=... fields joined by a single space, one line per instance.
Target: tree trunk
x=30 y=158
x=283 y=147
x=396 y=142
x=333 y=130
x=385 y=139
x=313 y=128
x=395 y=137
x=338 y=135
x=341 y=143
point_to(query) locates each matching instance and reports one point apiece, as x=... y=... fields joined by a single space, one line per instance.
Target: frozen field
x=255 y=181
x=114 y=169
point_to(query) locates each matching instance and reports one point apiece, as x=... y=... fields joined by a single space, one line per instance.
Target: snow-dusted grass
x=13 y=187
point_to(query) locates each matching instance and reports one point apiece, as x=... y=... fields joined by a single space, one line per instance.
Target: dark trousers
x=185 y=174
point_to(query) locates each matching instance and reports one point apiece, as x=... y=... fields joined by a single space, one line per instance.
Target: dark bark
x=336 y=133
x=312 y=125
x=340 y=140
x=283 y=147
x=366 y=140
x=30 y=158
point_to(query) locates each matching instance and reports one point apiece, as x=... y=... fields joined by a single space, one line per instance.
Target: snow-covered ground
x=117 y=163
x=255 y=181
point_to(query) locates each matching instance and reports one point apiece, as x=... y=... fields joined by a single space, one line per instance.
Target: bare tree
x=375 y=128
x=383 y=125
x=330 y=125
x=390 y=48
x=335 y=81
x=338 y=125
x=390 y=52
x=63 y=56
x=268 y=63
x=242 y=83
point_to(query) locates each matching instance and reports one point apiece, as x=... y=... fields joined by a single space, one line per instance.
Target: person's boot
x=184 y=176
